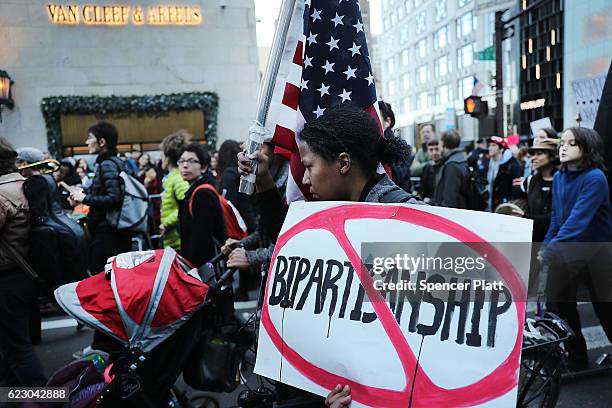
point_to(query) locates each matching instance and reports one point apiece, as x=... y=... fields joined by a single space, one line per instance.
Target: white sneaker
x=77 y=355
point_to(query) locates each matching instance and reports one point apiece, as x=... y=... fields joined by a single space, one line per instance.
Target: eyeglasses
x=188 y=161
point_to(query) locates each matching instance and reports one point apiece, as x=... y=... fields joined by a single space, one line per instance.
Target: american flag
x=325 y=63
x=478 y=86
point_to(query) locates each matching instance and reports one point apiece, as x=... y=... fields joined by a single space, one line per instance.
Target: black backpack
x=476 y=190
x=59 y=246
x=398 y=195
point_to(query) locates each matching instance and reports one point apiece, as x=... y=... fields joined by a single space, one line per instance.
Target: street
x=61 y=339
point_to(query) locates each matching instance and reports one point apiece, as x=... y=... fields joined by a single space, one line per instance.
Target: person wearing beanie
x=503 y=169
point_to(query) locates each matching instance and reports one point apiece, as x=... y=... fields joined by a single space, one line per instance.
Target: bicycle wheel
x=540 y=379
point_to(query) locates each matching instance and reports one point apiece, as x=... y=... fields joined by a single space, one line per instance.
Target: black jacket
x=452 y=181
x=503 y=191
x=539 y=202
x=427 y=186
x=200 y=230
x=106 y=191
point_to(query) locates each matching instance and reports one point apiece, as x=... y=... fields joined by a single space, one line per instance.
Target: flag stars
x=370 y=79
x=319 y=111
x=354 y=49
x=307 y=2
x=328 y=67
x=304 y=84
x=332 y=44
x=346 y=96
x=316 y=15
x=312 y=38
x=307 y=61
x=337 y=20
x=350 y=72
x=324 y=90
x=358 y=26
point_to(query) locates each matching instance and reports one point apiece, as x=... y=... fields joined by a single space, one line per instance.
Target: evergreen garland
x=151 y=105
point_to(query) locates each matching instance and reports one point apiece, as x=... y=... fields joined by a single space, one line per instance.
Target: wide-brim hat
x=49 y=165
x=544 y=143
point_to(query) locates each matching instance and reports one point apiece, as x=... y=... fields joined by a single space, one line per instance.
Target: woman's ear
x=102 y=142
x=345 y=162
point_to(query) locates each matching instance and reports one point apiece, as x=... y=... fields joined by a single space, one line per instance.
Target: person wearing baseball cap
x=503 y=169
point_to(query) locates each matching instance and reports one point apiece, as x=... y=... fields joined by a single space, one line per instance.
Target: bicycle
x=542 y=361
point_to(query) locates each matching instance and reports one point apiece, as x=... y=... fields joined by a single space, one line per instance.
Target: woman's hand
x=238 y=259
x=230 y=245
x=264 y=180
x=517 y=212
x=339 y=397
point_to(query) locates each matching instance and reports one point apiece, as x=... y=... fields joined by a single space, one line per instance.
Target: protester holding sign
x=340 y=165
x=581 y=213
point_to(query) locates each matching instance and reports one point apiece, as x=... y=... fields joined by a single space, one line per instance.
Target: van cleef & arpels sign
x=121 y=15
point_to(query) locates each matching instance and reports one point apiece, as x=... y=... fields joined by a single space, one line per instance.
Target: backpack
x=476 y=190
x=234 y=224
x=132 y=216
x=59 y=247
x=398 y=195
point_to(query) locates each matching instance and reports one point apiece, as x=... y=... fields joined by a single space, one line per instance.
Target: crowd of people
x=558 y=182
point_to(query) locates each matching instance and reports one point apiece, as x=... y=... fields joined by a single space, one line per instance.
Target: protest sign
x=587 y=93
x=540 y=124
x=325 y=323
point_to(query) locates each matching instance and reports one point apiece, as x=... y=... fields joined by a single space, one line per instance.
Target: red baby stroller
x=147 y=310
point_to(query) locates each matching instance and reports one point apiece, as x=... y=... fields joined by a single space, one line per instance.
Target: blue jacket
x=581 y=210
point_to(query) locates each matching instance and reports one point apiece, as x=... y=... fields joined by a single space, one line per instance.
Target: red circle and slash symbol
x=426 y=394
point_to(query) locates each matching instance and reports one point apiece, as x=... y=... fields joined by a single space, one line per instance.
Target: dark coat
x=200 y=230
x=503 y=190
x=106 y=191
x=427 y=186
x=539 y=205
x=452 y=181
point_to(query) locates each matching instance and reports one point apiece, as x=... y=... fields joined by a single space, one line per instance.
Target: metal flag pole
x=257 y=132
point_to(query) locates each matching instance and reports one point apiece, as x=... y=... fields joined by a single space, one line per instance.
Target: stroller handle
x=216 y=286
x=220 y=256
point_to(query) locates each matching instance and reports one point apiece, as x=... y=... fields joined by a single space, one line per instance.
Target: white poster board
x=587 y=94
x=316 y=332
x=540 y=124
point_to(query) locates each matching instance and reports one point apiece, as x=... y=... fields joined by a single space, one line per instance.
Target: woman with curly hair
x=174 y=187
